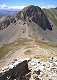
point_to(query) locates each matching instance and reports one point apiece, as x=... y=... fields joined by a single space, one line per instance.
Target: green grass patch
x=3 y=51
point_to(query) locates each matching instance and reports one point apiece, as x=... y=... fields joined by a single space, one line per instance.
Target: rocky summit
x=35 y=14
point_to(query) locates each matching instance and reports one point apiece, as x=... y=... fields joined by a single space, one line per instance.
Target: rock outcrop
x=17 y=73
x=32 y=70
x=5 y=21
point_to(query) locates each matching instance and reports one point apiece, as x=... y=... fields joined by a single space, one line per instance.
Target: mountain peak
x=35 y=14
x=30 y=22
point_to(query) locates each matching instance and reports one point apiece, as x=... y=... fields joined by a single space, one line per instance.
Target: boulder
x=17 y=73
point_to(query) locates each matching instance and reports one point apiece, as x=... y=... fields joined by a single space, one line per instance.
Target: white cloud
x=48 y=6
x=16 y=7
x=4 y=6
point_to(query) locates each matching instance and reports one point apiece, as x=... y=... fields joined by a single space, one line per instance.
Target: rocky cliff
x=17 y=73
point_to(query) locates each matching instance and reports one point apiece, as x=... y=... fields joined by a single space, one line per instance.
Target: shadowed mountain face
x=35 y=14
x=30 y=22
x=51 y=14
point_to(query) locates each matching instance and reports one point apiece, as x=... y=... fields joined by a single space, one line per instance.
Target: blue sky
x=22 y=3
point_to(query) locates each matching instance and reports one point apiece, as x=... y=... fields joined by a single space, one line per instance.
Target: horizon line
x=4 y=6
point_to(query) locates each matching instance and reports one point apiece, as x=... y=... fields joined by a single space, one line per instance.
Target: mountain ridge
x=31 y=22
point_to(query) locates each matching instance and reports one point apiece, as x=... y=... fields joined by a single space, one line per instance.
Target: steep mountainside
x=31 y=22
x=35 y=14
x=51 y=14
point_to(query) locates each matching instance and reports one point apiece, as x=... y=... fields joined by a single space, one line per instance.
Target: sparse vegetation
x=27 y=44
x=13 y=46
x=43 y=57
x=3 y=51
x=28 y=52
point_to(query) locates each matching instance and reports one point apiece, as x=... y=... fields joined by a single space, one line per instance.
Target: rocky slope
x=33 y=69
x=5 y=21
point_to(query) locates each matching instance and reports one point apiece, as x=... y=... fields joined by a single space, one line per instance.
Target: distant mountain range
x=8 y=12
